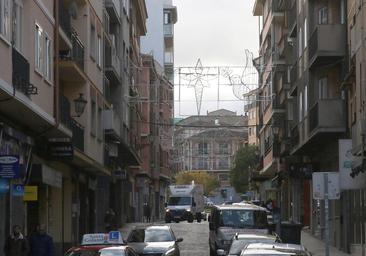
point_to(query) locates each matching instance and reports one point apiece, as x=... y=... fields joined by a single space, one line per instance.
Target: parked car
x=92 y=243
x=227 y=220
x=155 y=240
x=274 y=249
x=240 y=241
x=115 y=251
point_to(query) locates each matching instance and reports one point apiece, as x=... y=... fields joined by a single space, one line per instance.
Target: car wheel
x=190 y=219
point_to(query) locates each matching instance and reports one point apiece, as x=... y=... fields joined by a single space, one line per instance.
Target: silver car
x=154 y=241
x=116 y=251
x=274 y=249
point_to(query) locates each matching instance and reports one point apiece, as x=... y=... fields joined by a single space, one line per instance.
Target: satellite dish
x=73 y=10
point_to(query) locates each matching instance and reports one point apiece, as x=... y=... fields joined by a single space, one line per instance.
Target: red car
x=92 y=243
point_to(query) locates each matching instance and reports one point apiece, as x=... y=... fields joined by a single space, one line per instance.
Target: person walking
x=40 y=243
x=16 y=244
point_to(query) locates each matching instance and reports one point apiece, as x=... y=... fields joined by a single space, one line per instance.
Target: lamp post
x=80 y=104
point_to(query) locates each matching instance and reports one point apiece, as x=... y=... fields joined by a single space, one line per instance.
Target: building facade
x=209 y=143
x=310 y=67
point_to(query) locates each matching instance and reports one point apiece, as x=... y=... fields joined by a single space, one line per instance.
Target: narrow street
x=195 y=236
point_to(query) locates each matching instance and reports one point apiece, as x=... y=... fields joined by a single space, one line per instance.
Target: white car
x=274 y=249
x=117 y=251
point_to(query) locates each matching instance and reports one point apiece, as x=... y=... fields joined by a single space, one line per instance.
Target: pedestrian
x=16 y=244
x=147 y=212
x=40 y=243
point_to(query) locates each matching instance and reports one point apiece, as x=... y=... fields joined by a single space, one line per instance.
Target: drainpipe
x=56 y=97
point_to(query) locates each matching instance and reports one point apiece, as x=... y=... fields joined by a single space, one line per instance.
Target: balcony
x=112 y=125
x=295 y=137
x=65 y=112
x=292 y=19
x=168 y=30
x=72 y=62
x=358 y=133
x=113 y=67
x=20 y=75
x=77 y=135
x=113 y=8
x=107 y=90
x=327 y=44
x=294 y=73
x=327 y=116
x=169 y=58
x=65 y=20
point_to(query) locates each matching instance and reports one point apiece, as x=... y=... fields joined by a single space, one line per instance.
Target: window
x=5 y=18
x=323 y=15
x=92 y=41
x=300 y=42
x=38 y=48
x=93 y=118
x=306 y=99
x=224 y=148
x=48 y=59
x=300 y=107
x=167 y=18
x=202 y=163
x=323 y=88
x=99 y=51
x=126 y=6
x=100 y=124
x=203 y=148
x=305 y=33
x=17 y=25
x=223 y=163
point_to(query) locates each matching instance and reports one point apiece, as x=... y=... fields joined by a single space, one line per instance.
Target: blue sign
x=9 y=167
x=4 y=186
x=113 y=235
x=18 y=190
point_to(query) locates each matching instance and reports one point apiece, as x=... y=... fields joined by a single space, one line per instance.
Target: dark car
x=154 y=241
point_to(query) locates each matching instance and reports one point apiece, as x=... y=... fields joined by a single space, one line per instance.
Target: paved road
x=195 y=237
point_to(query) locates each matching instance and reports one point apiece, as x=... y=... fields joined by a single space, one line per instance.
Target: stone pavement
x=317 y=246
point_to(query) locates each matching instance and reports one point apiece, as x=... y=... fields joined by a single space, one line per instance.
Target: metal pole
x=326 y=211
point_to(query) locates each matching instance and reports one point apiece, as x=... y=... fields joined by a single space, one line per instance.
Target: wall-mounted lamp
x=80 y=104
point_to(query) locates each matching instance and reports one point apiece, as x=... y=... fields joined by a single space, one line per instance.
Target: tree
x=209 y=182
x=245 y=158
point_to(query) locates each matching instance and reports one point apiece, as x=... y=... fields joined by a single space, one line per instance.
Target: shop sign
x=61 y=148
x=18 y=190
x=4 y=186
x=9 y=167
x=51 y=177
x=30 y=193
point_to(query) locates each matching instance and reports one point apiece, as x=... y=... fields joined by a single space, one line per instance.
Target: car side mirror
x=179 y=240
x=220 y=252
x=166 y=204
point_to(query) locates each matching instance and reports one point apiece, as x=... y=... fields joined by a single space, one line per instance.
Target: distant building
x=251 y=109
x=209 y=143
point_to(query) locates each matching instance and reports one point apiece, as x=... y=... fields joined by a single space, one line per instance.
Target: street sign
x=319 y=187
x=30 y=193
x=61 y=148
x=9 y=167
x=17 y=190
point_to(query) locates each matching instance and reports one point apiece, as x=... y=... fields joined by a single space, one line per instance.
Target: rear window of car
x=112 y=253
x=150 y=235
x=238 y=245
x=243 y=218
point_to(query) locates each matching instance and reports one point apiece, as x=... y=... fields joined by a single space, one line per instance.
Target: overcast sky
x=217 y=32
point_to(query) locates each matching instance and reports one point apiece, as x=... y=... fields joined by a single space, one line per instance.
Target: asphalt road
x=195 y=237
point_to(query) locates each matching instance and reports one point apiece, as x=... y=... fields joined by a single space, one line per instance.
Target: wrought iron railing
x=65 y=111
x=77 y=52
x=20 y=75
x=77 y=135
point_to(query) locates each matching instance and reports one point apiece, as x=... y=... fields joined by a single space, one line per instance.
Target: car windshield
x=82 y=253
x=112 y=253
x=180 y=200
x=243 y=218
x=238 y=245
x=150 y=235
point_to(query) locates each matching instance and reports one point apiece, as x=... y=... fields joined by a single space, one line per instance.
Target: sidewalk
x=317 y=247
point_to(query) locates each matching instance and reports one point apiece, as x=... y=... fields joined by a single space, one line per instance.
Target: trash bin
x=291 y=232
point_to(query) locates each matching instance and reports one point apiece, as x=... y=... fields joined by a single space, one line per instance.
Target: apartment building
x=313 y=76
x=68 y=72
x=212 y=147
x=251 y=108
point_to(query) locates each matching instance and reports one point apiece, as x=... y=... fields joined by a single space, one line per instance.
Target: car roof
x=240 y=206
x=264 y=252
x=123 y=247
x=276 y=246
x=89 y=248
x=156 y=227
x=246 y=236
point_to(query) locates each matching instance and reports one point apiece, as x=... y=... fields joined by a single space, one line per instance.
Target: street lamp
x=80 y=104
x=275 y=130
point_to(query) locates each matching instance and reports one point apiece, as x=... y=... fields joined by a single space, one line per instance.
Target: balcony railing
x=20 y=75
x=327 y=115
x=76 y=54
x=113 y=66
x=295 y=136
x=292 y=17
x=168 y=30
x=65 y=112
x=77 y=135
x=65 y=19
x=327 y=42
